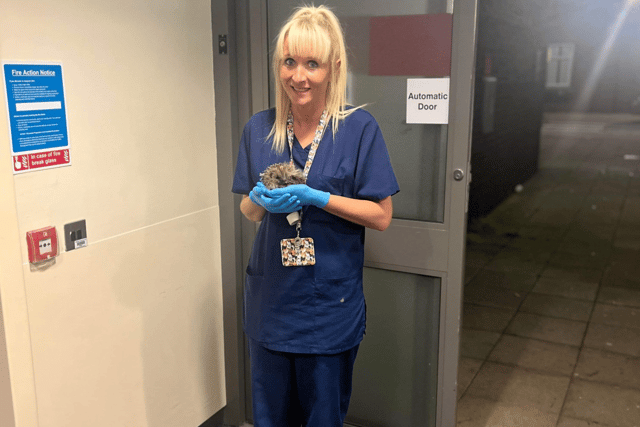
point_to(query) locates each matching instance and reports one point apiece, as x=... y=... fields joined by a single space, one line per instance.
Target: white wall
x=128 y=331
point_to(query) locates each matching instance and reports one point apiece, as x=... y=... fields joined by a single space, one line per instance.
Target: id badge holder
x=298 y=251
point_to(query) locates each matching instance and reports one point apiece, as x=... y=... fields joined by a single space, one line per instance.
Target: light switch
x=75 y=235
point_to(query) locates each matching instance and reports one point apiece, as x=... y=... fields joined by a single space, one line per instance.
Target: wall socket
x=75 y=235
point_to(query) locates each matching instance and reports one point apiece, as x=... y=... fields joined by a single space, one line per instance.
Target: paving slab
x=568 y=289
x=611 y=368
x=520 y=387
x=603 y=403
x=619 y=296
x=477 y=344
x=558 y=359
x=554 y=306
x=615 y=315
x=614 y=339
x=478 y=412
x=492 y=296
x=514 y=280
x=486 y=318
x=467 y=370
x=560 y=331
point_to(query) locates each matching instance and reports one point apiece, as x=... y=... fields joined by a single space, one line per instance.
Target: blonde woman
x=304 y=308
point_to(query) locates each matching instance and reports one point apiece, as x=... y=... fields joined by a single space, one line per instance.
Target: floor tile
x=519 y=387
x=478 y=412
x=591 y=233
x=634 y=187
x=612 y=338
x=554 y=217
x=626 y=257
x=477 y=257
x=469 y=273
x=602 y=403
x=477 y=344
x=597 y=250
x=534 y=354
x=485 y=318
x=592 y=259
x=581 y=275
x=537 y=245
x=467 y=370
x=572 y=422
x=617 y=277
x=559 y=331
x=537 y=232
x=611 y=368
x=516 y=281
x=605 y=201
x=619 y=296
x=613 y=315
x=525 y=251
x=513 y=262
x=599 y=216
x=553 y=306
x=480 y=232
x=493 y=296
x=624 y=264
x=630 y=211
x=627 y=237
x=568 y=289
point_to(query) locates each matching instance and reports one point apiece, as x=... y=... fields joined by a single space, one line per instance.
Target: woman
x=305 y=321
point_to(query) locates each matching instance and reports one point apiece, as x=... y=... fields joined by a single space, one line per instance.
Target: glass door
x=406 y=370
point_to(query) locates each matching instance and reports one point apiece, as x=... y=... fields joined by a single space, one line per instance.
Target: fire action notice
x=37 y=116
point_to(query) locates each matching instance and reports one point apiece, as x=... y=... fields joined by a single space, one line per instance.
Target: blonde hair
x=316 y=27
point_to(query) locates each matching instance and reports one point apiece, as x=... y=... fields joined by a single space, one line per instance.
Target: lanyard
x=296 y=217
x=314 y=145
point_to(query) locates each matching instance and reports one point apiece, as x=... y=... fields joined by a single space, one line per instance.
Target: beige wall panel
x=136 y=344
x=15 y=365
x=7 y=418
x=139 y=91
x=128 y=331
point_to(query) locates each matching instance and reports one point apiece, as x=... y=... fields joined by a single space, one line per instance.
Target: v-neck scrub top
x=317 y=309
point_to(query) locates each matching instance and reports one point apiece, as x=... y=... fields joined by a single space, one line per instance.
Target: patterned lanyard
x=314 y=145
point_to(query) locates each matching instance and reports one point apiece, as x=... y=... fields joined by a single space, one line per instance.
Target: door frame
x=463 y=68
x=241 y=89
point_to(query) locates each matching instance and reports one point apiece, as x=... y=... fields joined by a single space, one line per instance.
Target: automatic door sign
x=37 y=116
x=428 y=101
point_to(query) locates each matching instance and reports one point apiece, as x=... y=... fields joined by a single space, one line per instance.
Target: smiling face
x=305 y=79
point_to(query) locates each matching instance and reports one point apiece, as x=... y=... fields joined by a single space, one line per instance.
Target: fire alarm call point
x=42 y=244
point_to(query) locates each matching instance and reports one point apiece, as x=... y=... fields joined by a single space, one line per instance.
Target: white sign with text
x=428 y=101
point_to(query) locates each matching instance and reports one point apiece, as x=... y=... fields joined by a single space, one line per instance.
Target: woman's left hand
x=279 y=203
x=305 y=195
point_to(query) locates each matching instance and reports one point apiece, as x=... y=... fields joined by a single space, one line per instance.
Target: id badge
x=298 y=252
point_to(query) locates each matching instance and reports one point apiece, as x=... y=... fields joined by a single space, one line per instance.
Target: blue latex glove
x=304 y=194
x=282 y=203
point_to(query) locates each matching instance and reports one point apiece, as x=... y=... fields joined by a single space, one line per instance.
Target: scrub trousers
x=293 y=390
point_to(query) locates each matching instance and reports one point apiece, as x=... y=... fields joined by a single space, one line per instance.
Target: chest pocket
x=333 y=185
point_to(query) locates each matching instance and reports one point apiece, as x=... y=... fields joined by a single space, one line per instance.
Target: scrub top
x=317 y=309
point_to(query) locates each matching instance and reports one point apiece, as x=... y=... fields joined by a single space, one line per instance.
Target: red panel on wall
x=413 y=45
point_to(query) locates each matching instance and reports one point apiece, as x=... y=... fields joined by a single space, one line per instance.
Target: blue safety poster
x=37 y=116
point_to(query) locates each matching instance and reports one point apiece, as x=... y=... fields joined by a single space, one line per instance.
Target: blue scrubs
x=292 y=389
x=316 y=309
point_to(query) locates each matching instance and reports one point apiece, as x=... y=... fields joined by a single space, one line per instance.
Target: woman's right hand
x=285 y=203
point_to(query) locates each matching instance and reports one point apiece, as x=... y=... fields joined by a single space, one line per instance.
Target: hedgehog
x=281 y=175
